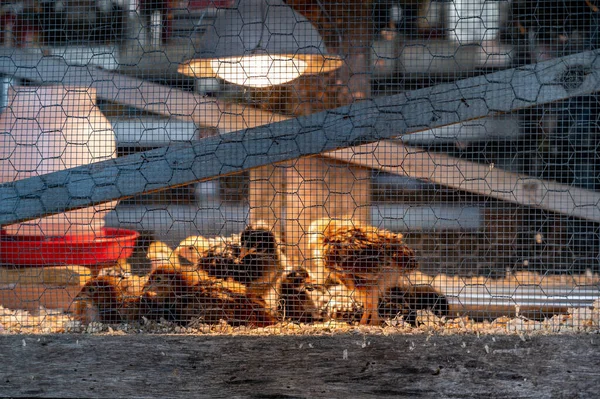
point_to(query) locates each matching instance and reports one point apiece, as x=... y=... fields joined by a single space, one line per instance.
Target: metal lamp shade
x=260 y=43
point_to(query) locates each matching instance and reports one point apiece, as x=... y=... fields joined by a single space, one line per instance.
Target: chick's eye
x=91 y=290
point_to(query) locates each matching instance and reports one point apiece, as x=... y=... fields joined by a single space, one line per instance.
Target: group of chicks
x=247 y=279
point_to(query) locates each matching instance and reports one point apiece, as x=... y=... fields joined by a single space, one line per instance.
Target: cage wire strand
x=299 y=166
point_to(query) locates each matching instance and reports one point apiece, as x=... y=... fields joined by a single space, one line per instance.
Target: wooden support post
x=266 y=200
x=321 y=187
x=305 y=189
x=289 y=196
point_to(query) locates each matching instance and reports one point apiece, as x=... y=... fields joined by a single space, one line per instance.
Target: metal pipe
x=534 y=301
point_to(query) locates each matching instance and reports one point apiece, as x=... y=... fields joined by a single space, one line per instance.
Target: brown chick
x=295 y=297
x=108 y=299
x=236 y=304
x=364 y=258
x=253 y=257
x=173 y=281
x=261 y=258
x=173 y=292
x=218 y=256
x=186 y=294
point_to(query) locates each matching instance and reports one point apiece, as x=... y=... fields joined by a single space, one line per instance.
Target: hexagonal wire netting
x=299 y=166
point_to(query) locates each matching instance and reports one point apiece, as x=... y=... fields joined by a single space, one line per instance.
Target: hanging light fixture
x=260 y=43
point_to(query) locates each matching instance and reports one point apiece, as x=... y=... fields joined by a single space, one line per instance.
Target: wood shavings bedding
x=578 y=320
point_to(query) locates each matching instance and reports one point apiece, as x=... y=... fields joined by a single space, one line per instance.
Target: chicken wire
x=434 y=168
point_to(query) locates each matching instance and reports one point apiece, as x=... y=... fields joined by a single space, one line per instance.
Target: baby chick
x=160 y=253
x=253 y=257
x=218 y=256
x=399 y=301
x=261 y=257
x=107 y=299
x=188 y=293
x=238 y=306
x=173 y=292
x=367 y=260
x=295 y=302
x=336 y=302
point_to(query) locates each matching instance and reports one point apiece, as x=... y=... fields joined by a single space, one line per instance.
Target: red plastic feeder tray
x=86 y=249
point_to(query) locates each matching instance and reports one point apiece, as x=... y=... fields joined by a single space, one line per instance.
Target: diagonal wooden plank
x=476 y=178
x=360 y=123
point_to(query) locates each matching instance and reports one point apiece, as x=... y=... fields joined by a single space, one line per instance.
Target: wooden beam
x=394 y=157
x=503 y=364
x=31 y=297
x=363 y=122
x=56 y=275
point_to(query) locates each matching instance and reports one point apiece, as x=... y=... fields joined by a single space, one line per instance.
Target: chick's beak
x=246 y=251
x=149 y=294
x=309 y=284
x=83 y=295
x=150 y=287
x=80 y=298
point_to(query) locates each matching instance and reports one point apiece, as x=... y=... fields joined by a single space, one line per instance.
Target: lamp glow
x=260 y=43
x=258 y=70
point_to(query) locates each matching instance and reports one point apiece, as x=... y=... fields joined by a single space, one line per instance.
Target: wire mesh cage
x=261 y=166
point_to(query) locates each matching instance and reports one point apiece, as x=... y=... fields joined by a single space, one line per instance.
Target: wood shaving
x=47 y=321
